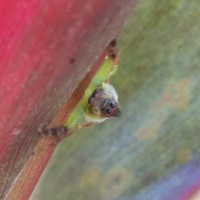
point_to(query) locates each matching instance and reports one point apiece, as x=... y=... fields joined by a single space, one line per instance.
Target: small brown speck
x=72 y=60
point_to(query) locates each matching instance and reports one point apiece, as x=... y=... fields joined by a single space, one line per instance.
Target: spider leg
x=112 y=49
x=113 y=55
x=58 y=131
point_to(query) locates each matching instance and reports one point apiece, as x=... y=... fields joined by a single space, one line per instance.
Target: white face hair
x=110 y=89
x=95 y=119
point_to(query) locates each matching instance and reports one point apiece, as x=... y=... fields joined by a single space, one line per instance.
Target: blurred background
x=153 y=151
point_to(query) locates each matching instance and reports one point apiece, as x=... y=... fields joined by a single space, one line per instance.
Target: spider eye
x=108 y=111
x=112 y=105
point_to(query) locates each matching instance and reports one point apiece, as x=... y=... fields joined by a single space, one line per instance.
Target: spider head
x=109 y=108
x=104 y=102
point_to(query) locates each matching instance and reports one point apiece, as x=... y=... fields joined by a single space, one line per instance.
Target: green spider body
x=81 y=113
x=99 y=102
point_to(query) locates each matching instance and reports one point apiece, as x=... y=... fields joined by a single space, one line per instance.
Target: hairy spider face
x=103 y=102
x=109 y=108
